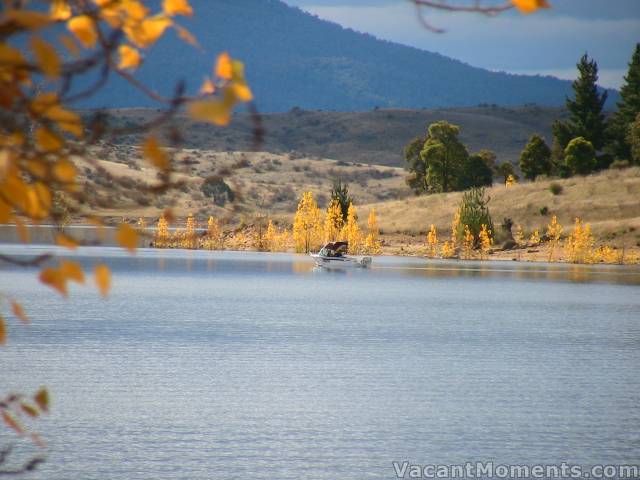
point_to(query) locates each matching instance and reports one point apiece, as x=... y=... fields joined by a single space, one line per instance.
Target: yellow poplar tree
x=432 y=241
x=486 y=241
x=333 y=222
x=372 y=245
x=190 y=239
x=579 y=245
x=554 y=232
x=162 y=233
x=455 y=225
x=535 y=238
x=351 y=231
x=214 y=239
x=467 y=243
x=307 y=224
x=275 y=240
x=519 y=236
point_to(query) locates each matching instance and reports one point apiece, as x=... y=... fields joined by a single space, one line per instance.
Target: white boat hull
x=341 y=262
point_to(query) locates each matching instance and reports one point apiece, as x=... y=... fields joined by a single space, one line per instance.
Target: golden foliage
x=307 y=224
x=102 y=276
x=3 y=331
x=432 y=241
x=554 y=232
x=351 y=231
x=276 y=240
x=372 y=244
x=189 y=236
x=333 y=222
x=486 y=241
x=214 y=238
x=511 y=181
x=467 y=243
x=579 y=244
x=19 y=312
x=530 y=6
x=534 y=240
x=455 y=226
x=162 y=233
x=129 y=57
x=448 y=250
x=127 y=237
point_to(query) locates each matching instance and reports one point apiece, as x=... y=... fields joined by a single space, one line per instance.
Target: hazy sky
x=549 y=42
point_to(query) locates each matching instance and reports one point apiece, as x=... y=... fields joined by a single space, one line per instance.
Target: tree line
x=587 y=141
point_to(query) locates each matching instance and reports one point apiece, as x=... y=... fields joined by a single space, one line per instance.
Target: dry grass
x=610 y=201
x=264 y=183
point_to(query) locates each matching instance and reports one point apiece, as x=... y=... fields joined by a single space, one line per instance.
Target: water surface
x=243 y=365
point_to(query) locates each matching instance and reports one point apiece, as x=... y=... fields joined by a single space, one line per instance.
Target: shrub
x=580 y=156
x=217 y=188
x=544 y=211
x=619 y=164
x=474 y=213
x=555 y=188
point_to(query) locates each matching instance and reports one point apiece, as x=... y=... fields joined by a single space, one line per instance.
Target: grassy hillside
x=608 y=201
x=270 y=184
x=374 y=137
x=263 y=183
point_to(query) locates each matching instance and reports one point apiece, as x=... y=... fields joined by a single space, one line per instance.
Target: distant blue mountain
x=294 y=59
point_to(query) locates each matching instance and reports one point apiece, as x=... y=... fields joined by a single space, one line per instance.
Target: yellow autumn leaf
x=224 y=68
x=84 y=30
x=64 y=170
x=134 y=9
x=103 y=278
x=18 y=311
x=47 y=105
x=60 y=10
x=29 y=410
x=242 y=91
x=187 y=36
x=66 y=242
x=216 y=111
x=177 y=7
x=208 y=87
x=129 y=57
x=48 y=141
x=530 y=6
x=46 y=57
x=42 y=399
x=23 y=230
x=3 y=332
x=155 y=155
x=127 y=237
x=27 y=18
x=12 y=422
x=5 y=212
x=72 y=271
x=55 y=279
x=147 y=32
x=70 y=44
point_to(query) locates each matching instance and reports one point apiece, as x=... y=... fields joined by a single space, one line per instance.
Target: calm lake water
x=243 y=365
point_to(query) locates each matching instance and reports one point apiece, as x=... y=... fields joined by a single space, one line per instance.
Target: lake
x=211 y=365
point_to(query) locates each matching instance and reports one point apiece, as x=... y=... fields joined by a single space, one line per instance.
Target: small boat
x=334 y=255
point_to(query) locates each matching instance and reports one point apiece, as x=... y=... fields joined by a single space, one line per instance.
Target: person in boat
x=334 y=249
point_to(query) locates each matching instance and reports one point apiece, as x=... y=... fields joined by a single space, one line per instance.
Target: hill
x=269 y=185
x=607 y=200
x=296 y=59
x=374 y=137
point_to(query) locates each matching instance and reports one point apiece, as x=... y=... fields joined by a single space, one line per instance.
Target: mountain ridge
x=294 y=59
